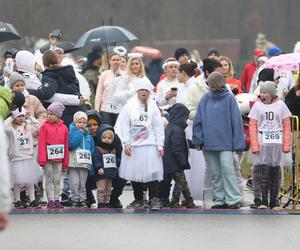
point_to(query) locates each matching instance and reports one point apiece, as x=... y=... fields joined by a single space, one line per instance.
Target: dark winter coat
x=97 y=156
x=176 y=149
x=60 y=80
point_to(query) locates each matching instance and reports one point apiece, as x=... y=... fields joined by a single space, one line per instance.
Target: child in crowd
x=81 y=146
x=270 y=135
x=218 y=129
x=20 y=152
x=53 y=152
x=175 y=159
x=105 y=164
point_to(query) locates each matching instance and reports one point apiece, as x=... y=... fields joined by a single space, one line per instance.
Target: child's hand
x=101 y=171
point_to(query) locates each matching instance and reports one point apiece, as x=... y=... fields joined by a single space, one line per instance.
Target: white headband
x=170 y=63
x=135 y=55
x=120 y=50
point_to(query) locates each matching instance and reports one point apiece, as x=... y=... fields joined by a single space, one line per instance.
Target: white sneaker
x=94 y=205
x=262 y=207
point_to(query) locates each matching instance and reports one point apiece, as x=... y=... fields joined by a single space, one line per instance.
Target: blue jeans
x=225 y=187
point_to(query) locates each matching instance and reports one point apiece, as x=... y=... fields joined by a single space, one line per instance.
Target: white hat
x=16 y=113
x=78 y=115
x=144 y=85
x=135 y=55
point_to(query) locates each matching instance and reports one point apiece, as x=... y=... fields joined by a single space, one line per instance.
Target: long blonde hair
x=128 y=69
x=231 y=70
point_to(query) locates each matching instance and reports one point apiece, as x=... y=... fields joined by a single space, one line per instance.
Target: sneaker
x=103 y=205
x=155 y=204
x=175 y=204
x=64 y=197
x=165 y=203
x=263 y=207
x=51 y=204
x=35 y=204
x=74 y=204
x=190 y=204
x=82 y=204
x=18 y=204
x=58 y=204
x=234 y=206
x=257 y=203
x=94 y=205
x=136 y=204
x=115 y=203
x=219 y=206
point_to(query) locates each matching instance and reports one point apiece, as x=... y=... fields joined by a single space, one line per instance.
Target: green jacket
x=91 y=75
x=5 y=102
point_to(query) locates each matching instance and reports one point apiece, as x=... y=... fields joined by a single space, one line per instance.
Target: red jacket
x=52 y=134
x=247 y=76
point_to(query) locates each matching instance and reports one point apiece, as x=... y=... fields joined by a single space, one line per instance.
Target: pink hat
x=56 y=108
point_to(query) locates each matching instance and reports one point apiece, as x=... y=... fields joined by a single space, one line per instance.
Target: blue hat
x=275 y=51
x=179 y=52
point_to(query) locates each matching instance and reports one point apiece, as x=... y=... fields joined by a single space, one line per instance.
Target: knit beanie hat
x=170 y=61
x=56 y=108
x=269 y=87
x=18 y=100
x=15 y=77
x=78 y=115
x=25 y=61
x=216 y=80
x=16 y=113
x=179 y=52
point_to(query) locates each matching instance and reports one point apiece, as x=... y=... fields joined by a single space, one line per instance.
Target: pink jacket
x=52 y=134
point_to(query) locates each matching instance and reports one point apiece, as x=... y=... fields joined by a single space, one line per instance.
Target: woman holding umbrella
x=103 y=103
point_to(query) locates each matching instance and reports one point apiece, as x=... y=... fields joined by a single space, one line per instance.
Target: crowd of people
x=184 y=133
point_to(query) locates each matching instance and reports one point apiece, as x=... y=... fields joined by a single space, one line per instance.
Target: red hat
x=258 y=52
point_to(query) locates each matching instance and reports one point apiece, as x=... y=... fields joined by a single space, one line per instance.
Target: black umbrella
x=68 y=47
x=8 y=32
x=105 y=35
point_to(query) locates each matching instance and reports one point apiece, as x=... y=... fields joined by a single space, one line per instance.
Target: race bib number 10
x=56 y=152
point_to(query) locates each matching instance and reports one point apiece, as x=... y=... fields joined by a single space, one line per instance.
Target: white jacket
x=195 y=92
x=5 y=199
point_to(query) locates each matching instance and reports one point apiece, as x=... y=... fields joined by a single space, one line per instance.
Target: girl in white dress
x=141 y=130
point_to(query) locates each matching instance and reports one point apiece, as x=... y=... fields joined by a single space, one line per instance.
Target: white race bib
x=272 y=137
x=109 y=161
x=111 y=108
x=83 y=156
x=23 y=142
x=142 y=121
x=55 y=152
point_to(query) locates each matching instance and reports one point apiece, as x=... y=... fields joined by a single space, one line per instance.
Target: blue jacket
x=218 y=123
x=80 y=139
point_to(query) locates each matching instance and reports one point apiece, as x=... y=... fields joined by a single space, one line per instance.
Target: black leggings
x=139 y=187
x=108 y=118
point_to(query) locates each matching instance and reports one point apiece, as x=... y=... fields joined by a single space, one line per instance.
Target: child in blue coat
x=105 y=164
x=218 y=129
x=81 y=146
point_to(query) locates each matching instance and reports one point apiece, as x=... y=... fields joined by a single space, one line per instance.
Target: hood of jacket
x=25 y=61
x=178 y=114
x=98 y=140
x=219 y=94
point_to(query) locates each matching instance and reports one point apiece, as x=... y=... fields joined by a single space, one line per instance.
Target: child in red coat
x=53 y=153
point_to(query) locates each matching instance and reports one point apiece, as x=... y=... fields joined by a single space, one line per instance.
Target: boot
x=243 y=201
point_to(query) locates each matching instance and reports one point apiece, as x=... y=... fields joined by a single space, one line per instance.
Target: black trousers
x=139 y=187
x=108 y=118
x=165 y=186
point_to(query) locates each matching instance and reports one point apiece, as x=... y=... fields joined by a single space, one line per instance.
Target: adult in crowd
x=249 y=69
x=182 y=55
x=91 y=72
x=213 y=54
x=134 y=74
x=104 y=101
x=5 y=199
x=168 y=87
x=59 y=79
x=228 y=72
